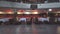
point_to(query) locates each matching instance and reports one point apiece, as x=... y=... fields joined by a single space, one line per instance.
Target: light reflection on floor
x=58 y=30
x=29 y=29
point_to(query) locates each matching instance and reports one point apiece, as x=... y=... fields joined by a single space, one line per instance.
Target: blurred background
x=29 y=16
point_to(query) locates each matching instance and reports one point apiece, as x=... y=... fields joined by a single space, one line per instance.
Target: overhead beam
x=49 y=5
x=28 y=6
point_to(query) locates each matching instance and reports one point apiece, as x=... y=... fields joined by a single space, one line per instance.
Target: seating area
x=42 y=16
x=25 y=21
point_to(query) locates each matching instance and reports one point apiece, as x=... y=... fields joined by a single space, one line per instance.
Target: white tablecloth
x=4 y=19
x=43 y=19
x=22 y=19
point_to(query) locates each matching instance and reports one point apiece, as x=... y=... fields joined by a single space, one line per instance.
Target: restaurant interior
x=35 y=16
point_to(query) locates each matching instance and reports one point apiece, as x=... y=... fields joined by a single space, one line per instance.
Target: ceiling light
x=50 y=9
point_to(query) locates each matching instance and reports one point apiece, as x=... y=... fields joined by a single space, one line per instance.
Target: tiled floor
x=28 y=29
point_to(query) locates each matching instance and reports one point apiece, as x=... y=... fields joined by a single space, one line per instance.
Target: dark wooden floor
x=28 y=29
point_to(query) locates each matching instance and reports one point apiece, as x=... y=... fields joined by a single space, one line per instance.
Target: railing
x=14 y=4
x=28 y=6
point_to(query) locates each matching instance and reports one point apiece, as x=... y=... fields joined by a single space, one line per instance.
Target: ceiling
x=25 y=0
x=32 y=1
